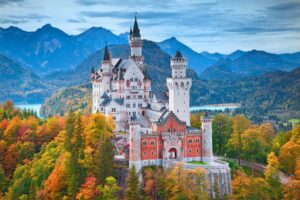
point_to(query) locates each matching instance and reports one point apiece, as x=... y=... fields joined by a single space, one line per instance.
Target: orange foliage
x=287 y=157
x=88 y=190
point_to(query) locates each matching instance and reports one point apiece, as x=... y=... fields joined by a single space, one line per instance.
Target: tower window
x=190 y=141
x=152 y=143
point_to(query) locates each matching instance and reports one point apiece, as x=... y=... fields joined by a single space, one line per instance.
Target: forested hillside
x=71 y=157
x=19 y=83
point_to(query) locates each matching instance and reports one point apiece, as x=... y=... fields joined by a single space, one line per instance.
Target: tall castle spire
x=106 y=56
x=136 y=30
x=136 y=44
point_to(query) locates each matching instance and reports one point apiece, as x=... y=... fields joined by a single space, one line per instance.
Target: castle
x=159 y=130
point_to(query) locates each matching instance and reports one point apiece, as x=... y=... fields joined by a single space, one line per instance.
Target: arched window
x=152 y=142
x=144 y=143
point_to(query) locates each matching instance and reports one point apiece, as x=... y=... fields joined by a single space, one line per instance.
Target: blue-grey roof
x=105 y=102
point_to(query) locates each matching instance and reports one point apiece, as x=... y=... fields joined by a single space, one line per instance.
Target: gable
x=133 y=71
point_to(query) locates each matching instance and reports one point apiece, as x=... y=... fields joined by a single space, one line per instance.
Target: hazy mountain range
x=36 y=64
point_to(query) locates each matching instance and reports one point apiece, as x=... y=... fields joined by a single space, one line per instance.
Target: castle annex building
x=159 y=131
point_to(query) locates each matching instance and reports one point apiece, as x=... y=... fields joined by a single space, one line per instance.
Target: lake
x=215 y=107
x=212 y=107
x=34 y=107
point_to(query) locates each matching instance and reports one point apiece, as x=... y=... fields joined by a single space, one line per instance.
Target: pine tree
x=103 y=160
x=69 y=131
x=132 y=191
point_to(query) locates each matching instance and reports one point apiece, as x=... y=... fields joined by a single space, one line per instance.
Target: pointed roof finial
x=93 y=70
x=106 y=53
x=136 y=30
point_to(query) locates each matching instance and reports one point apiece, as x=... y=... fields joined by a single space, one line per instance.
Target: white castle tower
x=135 y=145
x=106 y=69
x=136 y=44
x=207 y=147
x=179 y=88
x=101 y=80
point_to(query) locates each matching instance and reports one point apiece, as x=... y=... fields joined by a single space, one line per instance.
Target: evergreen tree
x=103 y=160
x=69 y=131
x=132 y=191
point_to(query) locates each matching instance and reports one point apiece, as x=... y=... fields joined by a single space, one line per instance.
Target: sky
x=214 y=26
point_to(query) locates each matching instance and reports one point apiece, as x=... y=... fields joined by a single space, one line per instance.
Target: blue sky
x=214 y=26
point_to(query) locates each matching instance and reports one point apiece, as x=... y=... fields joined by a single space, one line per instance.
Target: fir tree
x=104 y=155
x=132 y=191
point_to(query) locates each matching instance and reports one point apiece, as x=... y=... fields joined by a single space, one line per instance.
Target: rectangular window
x=140 y=96
x=140 y=105
x=113 y=110
x=128 y=105
x=133 y=105
x=127 y=97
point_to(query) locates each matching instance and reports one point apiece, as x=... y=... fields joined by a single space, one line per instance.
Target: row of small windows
x=145 y=153
x=133 y=105
x=174 y=130
x=152 y=143
x=190 y=141
x=134 y=97
x=190 y=150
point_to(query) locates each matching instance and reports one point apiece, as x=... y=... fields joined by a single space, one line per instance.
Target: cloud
x=79 y=20
x=285 y=6
x=30 y=16
x=21 y=19
x=128 y=3
x=12 y=21
x=8 y=2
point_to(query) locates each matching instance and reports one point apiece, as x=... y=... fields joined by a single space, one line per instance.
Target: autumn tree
x=109 y=191
x=132 y=191
x=272 y=176
x=288 y=155
x=88 y=190
x=234 y=146
x=250 y=188
x=186 y=184
x=222 y=128
x=254 y=148
x=196 y=120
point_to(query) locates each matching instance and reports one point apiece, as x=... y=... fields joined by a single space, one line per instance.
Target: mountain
x=257 y=62
x=196 y=61
x=48 y=49
x=20 y=84
x=213 y=56
x=45 y=50
x=243 y=64
x=95 y=38
x=291 y=57
x=221 y=70
x=236 y=54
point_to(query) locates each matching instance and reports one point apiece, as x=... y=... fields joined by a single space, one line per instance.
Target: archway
x=172 y=153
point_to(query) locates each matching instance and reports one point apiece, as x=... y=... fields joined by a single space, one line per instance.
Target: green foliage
x=132 y=191
x=103 y=160
x=109 y=191
x=222 y=129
